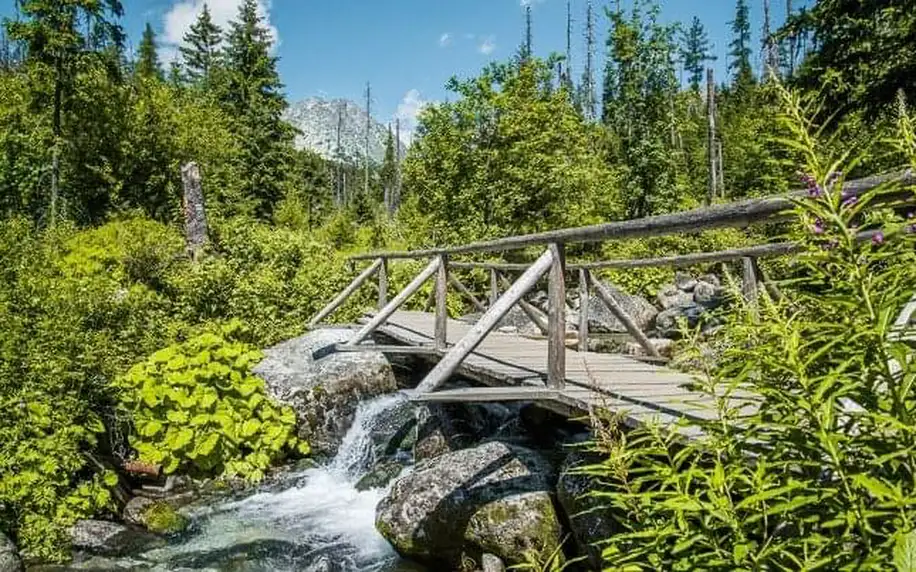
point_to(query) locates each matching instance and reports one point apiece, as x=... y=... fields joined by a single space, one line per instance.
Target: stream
x=312 y=520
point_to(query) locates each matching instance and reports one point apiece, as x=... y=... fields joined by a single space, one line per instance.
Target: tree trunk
x=195 y=215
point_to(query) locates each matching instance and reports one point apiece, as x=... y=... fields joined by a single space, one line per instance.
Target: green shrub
x=819 y=473
x=196 y=408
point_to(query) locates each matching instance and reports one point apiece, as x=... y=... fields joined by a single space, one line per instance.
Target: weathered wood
x=583 y=310
x=382 y=284
x=500 y=266
x=441 y=299
x=536 y=316
x=464 y=291
x=556 y=319
x=450 y=362
x=393 y=305
x=685 y=260
x=486 y=394
x=624 y=318
x=749 y=280
x=494 y=287
x=771 y=287
x=733 y=215
x=346 y=293
x=195 y=213
x=410 y=350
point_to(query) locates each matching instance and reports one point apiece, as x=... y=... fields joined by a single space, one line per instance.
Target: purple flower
x=819 y=227
x=814 y=190
x=911 y=229
x=910 y=214
x=849 y=200
x=878 y=238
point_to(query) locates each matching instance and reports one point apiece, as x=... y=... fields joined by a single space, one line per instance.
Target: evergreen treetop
x=740 y=46
x=202 y=52
x=147 y=66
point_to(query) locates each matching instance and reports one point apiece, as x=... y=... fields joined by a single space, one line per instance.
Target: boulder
x=490 y=563
x=516 y=321
x=671 y=297
x=667 y=323
x=602 y=321
x=589 y=521
x=495 y=498
x=711 y=279
x=707 y=295
x=684 y=282
x=663 y=346
x=379 y=476
x=9 y=556
x=155 y=515
x=324 y=386
x=112 y=539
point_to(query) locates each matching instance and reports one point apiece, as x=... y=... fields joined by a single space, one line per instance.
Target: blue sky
x=408 y=49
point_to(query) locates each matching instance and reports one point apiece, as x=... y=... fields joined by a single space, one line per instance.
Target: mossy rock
x=157 y=516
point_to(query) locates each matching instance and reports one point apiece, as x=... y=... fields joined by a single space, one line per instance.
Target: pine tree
x=147 y=66
x=252 y=96
x=389 y=173
x=201 y=54
x=740 y=53
x=695 y=52
x=53 y=33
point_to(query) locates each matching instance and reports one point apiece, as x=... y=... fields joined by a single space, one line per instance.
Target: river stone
x=663 y=346
x=589 y=521
x=436 y=432
x=379 y=476
x=155 y=515
x=323 y=386
x=494 y=498
x=9 y=556
x=707 y=295
x=671 y=297
x=602 y=321
x=111 y=539
x=490 y=563
x=684 y=282
x=711 y=279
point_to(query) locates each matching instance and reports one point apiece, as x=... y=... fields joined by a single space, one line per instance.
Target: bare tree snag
x=195 y=214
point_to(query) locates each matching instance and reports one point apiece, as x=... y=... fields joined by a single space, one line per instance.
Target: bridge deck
x=638 y=390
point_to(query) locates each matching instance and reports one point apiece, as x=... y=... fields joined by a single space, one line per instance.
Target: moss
x=162 y=518
x=537 y=519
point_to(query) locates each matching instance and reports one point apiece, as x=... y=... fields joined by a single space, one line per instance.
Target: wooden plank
x=392 y=306
x=625 y=319
x=732 y=215
x=441 y=299
x=410 y=350
x=346 y=293
x=450 y=362
x=486 y=394
x=556 y=318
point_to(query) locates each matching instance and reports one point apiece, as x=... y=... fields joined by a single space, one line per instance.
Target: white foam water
x=320 y=523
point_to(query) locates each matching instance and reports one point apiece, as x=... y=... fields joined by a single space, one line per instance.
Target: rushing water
x=314 y=520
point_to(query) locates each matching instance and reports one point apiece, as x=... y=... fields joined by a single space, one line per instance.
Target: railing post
x=583 y=310
x=441 y=306
x=383 y=283
x=556 y=318
x=494 y=286
x=749 y=283
x=605 y=295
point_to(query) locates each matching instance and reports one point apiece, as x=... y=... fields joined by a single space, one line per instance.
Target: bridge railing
x=552 y=263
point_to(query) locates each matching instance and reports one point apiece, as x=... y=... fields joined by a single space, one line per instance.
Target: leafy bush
x=197 y=408
x=808 y=461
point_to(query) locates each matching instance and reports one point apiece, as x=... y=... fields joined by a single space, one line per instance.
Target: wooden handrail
x=346 y=293
x=732 y=215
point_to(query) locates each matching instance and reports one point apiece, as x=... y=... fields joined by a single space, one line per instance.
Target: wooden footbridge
x=558 y=371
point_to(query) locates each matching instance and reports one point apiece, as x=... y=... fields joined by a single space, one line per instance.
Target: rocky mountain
x=318 y=119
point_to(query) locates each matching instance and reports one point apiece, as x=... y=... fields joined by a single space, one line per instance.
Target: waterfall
x=319 y=522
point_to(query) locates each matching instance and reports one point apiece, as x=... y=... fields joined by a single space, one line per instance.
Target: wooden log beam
x=583 y=310
x=382 y=284
x=441 y=302
x=396 y=303
x=334 y=304
x=732 y=215
x=464 y=291
x=494 y=287
x=624 y=318
x=749 y=280
x=486 y=395
x=451 y=360
x=535 y=315
x=556 y=319
x=409 y=350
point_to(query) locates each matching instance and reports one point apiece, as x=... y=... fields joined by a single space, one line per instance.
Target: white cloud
x=487 y=46
x=445 y=40
x=183 y=13
x=408 y=111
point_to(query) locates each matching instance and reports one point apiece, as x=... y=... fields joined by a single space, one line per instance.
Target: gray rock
x=156 y=515
x=436 y=432
x=379 y=476
x=667 y=323
x=707 y=295
x=589 y=521
x=323 y=386
x=671 y=297
x=601 y=320
x=684 y=282
x=494 y=498
x=9 y=556
x=490 y=563
x=111 y=539
x=711 y=279
x=518 y=319
x=663 y=346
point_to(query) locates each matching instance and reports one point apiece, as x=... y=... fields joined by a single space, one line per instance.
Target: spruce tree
x=695 y=52
x=147 y=66
x=252 y=95
x=740 y=52
x=201 y=54
x=389 y=173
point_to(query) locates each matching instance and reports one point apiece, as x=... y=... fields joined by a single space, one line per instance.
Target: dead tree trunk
x=195 y=215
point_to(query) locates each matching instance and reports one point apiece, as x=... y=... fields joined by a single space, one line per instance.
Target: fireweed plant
x=807 y=462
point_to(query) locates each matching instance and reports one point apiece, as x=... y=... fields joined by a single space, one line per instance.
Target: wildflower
x=878 y=238
x=819 y=227
x=814 y=190
x=849 y=199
